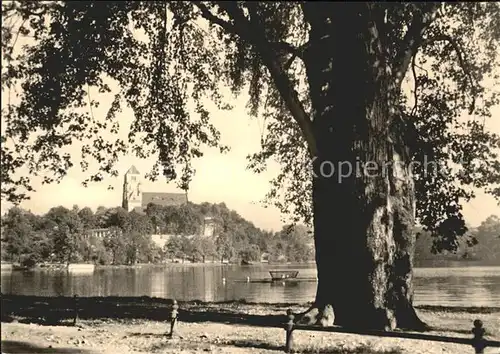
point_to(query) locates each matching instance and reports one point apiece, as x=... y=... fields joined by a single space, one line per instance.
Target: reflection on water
x=465 y=286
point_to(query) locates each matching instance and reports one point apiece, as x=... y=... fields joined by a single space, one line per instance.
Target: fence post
x=478 y=340
x=289 y=331
x=173 y=318
x=75 y=313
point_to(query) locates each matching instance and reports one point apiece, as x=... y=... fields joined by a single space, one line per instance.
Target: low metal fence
x=478 y=342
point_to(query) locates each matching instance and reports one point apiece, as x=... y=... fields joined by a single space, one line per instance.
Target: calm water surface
x=459 y=286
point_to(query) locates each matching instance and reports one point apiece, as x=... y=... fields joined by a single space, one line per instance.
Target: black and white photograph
x=250 y=177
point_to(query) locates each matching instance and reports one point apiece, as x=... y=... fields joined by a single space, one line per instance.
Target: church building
x=135 y=199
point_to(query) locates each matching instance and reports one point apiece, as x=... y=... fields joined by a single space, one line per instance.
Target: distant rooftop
x=133 y=171
x=164 y=199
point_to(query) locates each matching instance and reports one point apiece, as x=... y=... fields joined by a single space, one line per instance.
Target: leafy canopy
x=166 y=56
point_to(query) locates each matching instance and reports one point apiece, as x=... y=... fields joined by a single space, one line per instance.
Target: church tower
x=132 y=195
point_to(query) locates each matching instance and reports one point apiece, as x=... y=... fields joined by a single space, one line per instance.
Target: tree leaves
x=166 y=60
x=66 y=59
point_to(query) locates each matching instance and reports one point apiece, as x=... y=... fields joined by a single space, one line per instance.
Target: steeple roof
x=132 y=171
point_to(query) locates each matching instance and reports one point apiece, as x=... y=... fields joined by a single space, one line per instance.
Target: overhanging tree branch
x=208 y=15
x=252 y=33
x=461 y=60
x=413 y=39
x=281 y=80
x=296 y=53
x=415 y=78
x=279 y=46
x=288 y=48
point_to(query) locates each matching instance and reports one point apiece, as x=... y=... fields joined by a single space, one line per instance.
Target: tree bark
x=364 y=211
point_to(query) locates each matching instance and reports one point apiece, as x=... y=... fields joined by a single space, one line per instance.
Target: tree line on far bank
x=481 y=243
x=62 y=236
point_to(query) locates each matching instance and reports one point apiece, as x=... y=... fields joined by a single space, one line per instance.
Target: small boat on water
x=81 y=267
x=283 y=274
x=6 y=267
x=245 y=262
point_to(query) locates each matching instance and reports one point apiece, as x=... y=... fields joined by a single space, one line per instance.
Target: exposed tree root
x=324 y=316
x=318 y=316
x=407 y=319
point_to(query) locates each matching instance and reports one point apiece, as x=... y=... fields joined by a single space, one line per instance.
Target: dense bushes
x=62 y=236
x=59 y=236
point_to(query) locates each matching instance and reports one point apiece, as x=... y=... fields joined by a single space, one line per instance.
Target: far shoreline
x=58 y=266
x=9 y=267
x=198 y=264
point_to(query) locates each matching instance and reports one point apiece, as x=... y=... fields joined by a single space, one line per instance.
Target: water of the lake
x=456 y=286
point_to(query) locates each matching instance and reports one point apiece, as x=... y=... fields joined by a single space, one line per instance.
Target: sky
x=219 y=177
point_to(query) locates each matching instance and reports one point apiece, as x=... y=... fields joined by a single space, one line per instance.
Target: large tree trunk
x=364 y=212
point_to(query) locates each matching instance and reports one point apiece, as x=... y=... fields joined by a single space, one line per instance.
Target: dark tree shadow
x=60 y=311
x=199 y=347
x=363 y=349
x=140 y=334
x=15 y=347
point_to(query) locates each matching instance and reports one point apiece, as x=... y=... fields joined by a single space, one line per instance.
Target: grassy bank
x=59 y=267
x=125 y=325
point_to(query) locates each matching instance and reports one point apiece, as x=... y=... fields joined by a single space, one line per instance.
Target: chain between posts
x=478 y=342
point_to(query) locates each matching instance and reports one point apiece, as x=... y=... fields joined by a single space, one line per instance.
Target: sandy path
x=138 y=336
